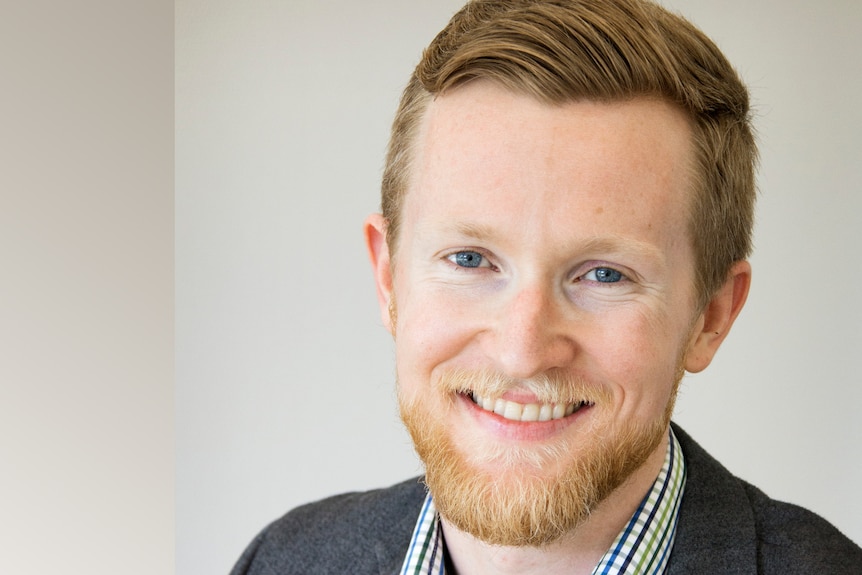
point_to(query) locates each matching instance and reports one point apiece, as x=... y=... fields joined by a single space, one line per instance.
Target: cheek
x=639 y=358
x=430 y=333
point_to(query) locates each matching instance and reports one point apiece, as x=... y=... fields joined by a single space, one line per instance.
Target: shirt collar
x=642 y=547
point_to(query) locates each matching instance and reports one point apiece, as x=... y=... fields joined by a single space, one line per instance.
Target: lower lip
x=520 y=430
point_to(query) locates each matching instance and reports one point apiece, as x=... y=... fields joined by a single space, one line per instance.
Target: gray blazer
x=726 y=526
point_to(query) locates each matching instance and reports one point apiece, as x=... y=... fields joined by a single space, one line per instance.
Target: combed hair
x=560 y=51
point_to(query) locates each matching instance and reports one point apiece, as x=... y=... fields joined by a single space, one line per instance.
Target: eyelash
x=622 y=277
x=451 y=257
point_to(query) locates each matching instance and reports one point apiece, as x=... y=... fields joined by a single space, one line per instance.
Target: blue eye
x=467 y=259
x=604 y=275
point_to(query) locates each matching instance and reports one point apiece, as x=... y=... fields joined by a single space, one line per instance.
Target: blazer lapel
x=716 y=533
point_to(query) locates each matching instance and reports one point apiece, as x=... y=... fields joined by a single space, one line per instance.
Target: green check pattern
x=425 y=556
x=643 y=547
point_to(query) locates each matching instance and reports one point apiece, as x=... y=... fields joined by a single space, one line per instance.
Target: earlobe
x=718 y=317
x=378 y=252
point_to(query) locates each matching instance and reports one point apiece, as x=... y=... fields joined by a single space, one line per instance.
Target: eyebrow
x=471 y=230
x=605 y=244
x=618 y=244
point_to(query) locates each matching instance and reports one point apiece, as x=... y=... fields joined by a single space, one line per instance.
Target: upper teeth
x=530 y=412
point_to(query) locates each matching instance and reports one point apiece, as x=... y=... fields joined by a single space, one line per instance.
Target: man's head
x=544 y=202
x=569 y=50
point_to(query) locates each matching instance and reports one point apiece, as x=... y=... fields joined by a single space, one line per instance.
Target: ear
x=378 y=253
x=717 y=318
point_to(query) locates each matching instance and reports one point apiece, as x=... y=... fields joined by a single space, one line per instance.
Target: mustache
x=549 y=387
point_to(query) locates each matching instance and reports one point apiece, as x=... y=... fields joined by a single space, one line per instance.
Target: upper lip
x=537 y=411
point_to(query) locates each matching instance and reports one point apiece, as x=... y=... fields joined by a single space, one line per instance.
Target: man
x=567 y=212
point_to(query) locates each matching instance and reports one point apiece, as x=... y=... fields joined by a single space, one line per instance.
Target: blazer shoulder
x=726 y=525
x=358 y=532
x=792 y=539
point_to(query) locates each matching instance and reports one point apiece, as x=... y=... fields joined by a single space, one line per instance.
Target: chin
x=524 y=495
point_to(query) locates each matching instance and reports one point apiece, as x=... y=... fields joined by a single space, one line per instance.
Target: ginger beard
x=528 y=496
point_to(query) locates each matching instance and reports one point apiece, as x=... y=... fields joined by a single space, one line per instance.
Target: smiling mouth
x=514 y=411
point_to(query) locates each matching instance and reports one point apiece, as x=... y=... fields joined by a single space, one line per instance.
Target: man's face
x=544 y=269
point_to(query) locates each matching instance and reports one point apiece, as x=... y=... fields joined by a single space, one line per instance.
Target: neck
x=574 y=553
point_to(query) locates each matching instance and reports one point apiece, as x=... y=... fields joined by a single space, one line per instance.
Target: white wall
x=284 y=373
x=86 y=288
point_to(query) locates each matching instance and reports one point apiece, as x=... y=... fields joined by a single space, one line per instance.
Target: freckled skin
x=604 y=171
x=548 y=197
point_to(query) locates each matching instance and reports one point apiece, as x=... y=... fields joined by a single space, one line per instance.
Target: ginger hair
x=560 y=51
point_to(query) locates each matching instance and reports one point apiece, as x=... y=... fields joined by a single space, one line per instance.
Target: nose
x=533 y=333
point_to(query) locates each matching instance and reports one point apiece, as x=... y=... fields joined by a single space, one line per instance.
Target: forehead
x=484 y=150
